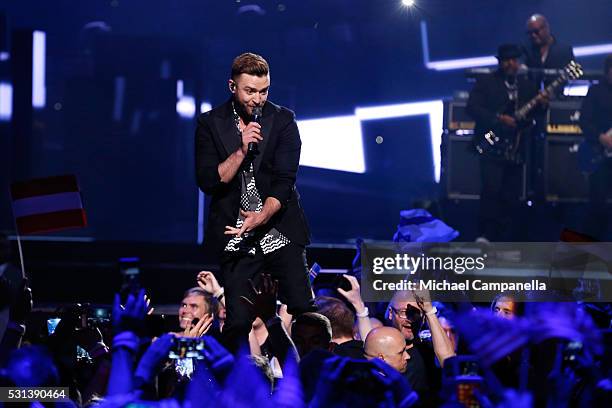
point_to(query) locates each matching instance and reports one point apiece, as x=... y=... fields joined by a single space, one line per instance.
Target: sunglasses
x=534 y=31
x=411 y=314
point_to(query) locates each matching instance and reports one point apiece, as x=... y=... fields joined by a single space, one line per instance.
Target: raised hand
x=423 y=300
x=153 y=358
x=200 y=328
x=263 y=303
x=208 y=283
x=131 y=316
x=353 y=295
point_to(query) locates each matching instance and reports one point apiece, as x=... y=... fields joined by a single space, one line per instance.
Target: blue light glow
x=333 y=143
x=6 y=101
x=488 y=60
x=39 y=91
x=205 y=107
x=435 y=111
x=186 y=107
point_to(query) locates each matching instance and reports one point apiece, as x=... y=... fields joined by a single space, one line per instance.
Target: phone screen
x=52 y=324
x=185 y=347
x=465 y=394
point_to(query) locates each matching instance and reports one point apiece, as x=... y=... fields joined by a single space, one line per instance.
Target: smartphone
x=52 y=324
x=98 y=316
x=129 y=267
x=186 y=347
x=462 y=375
x=333 y=281
x=469 y=380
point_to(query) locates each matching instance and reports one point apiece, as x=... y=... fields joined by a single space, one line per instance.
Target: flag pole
x=23 y=275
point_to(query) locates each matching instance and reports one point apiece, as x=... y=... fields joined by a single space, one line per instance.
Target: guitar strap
x=512 y=89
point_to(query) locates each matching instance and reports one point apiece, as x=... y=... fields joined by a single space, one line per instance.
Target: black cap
x=507 y=51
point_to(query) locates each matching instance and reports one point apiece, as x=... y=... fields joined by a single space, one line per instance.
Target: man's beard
x=241 y=110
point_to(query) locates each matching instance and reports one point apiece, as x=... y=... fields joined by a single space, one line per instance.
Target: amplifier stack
x=554 y=160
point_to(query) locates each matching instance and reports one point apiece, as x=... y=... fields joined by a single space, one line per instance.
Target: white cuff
x=365 y=313
x=219 y=293
x=432 y=312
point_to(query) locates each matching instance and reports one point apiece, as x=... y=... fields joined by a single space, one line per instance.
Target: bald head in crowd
x=538 y=30
x=389 y=345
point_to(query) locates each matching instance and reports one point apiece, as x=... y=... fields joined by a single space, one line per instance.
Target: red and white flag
x=47 y=204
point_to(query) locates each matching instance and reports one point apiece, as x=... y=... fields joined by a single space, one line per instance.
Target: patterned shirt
x=250 y=200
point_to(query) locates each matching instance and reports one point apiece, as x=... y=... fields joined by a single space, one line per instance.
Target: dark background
x=136 y=168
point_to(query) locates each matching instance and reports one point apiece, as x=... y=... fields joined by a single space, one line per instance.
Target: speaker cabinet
x=563 y=180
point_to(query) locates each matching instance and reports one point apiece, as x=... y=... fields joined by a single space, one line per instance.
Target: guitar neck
x=524 y=110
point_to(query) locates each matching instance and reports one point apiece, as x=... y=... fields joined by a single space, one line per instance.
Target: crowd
x=409 y=352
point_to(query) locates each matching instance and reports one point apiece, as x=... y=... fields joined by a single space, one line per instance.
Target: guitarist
x=492 y=103
x=596 y=124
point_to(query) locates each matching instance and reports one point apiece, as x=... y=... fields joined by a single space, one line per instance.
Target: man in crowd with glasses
x=408 y=312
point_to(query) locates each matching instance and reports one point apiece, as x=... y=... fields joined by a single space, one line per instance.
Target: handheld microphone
x=252 y=149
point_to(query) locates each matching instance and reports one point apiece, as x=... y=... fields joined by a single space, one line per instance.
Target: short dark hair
x=607 y=64
x=340 y=316
x=315 y=319
x=251 y=64
x=210 y=301
x=519 y=307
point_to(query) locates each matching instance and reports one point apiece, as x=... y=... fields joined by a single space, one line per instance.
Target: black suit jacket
x=559 y=55
x=275 y=172
x=490 y=97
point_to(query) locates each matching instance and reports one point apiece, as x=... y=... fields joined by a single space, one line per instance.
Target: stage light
x=596 y=49
x=186 y=107
x=38 y=70
x=180 y=88
x=333 y=143
x=489 y=60
x=6 y=101
x=434 y=110
x=336 y=143
x=579 y=88
x=408 y=3
x=205 y=107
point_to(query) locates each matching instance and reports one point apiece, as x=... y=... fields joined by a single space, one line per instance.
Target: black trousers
x=501 y=185
x=598 y=214
x=287 y=265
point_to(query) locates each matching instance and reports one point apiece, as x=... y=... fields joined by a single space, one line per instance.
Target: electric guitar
x=503 y=142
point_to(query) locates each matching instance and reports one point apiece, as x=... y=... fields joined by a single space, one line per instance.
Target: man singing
x=247 y=156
